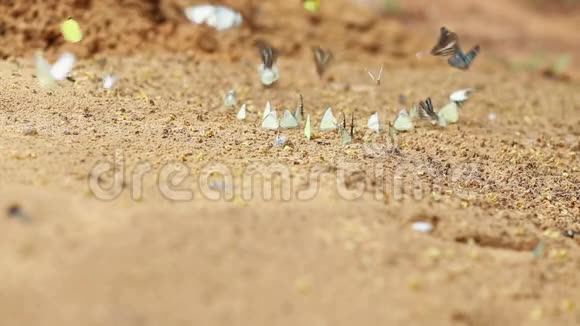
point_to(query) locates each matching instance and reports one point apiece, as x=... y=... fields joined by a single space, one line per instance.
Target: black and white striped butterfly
x=322 y=59
x=427 y=111
x=448 y=45
x=268 y=54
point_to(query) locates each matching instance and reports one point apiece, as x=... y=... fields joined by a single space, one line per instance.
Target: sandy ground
x=340 y=250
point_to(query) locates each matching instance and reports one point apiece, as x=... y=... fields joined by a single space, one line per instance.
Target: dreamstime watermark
x=175 y=181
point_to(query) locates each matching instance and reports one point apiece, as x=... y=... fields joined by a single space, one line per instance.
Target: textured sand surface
x=343 y=254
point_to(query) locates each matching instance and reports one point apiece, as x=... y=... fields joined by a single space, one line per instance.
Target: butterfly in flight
x=427 y=111
x=448 y=45
x=322 y=59
x=463 y=61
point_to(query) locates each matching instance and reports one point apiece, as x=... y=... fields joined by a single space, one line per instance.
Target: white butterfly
x=374 y=123
x=288 y=120
x=109 y=81
x=403 y=121
x=268 y=76
x=271 y=121
x=328 y=121
x=219 y=17
x=231 y=99
x=449 y=113
x=242 y=113
x=47 y=74
x=43 y=71
x=63 y=66
x=267 y=110
x=461 y=95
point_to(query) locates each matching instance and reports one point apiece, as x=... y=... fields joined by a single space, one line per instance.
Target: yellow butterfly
x=311 y=5
x=71 y=31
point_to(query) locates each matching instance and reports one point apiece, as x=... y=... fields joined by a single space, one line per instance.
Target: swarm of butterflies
x=404 y=121
x=447 y=45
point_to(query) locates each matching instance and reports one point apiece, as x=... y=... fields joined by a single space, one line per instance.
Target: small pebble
x=492 y=116
x=422 y=227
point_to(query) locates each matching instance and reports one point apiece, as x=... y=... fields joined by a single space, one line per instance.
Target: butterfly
x=322 y=59
x=288 y=120
x=271 y=121
x=374 y=123
x=328 y=121
x=352 y=125
x=71 y=31
x=449 y=113
x=448 y=45
x=267 y=110
x=307 y=128
x=461 y=96
x=299 y=113
x=426 y=110
x=378 y=78
x=109 y=81
x=268 y=53
x=403 y=121
x=269 y=73
x=242 y=113
x=231 y=98
x=463 y=61
x=311 y=5
x=345 y=135
x=218 y=17
x=47 y=74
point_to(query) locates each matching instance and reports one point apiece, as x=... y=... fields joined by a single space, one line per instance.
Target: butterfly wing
x=427 y=111
x=403 y=122
x=63 y=66
x=346 y=138
x=242 y=113
x=288 y=121
x=450 y=113
x=447 y=44
x=307 y=128
x=268 y=53
x=267 y=110
x=71 y=31
x=271 y=121
x=322 y=58
x=328 y=121
x=299 y=113
x=311 y=5
x=374 y=123
x=43 y=71
x=463 y=61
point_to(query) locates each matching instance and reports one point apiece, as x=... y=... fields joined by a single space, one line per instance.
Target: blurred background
x=525 y=34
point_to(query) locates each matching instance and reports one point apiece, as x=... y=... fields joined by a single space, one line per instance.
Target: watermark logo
x=177 y=181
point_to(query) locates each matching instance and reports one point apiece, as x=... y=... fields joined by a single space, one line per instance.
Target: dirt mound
x=126 y=27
